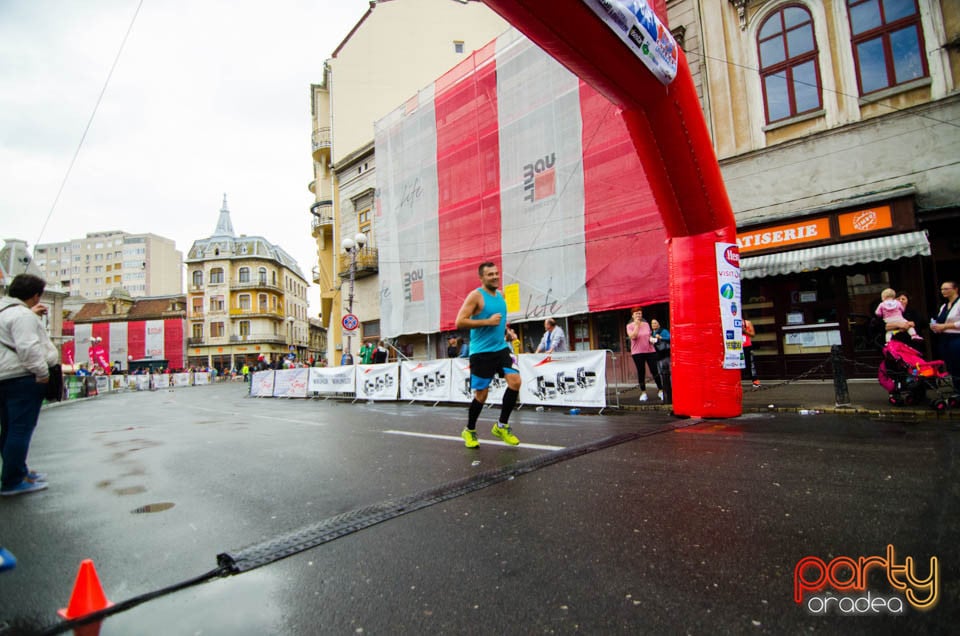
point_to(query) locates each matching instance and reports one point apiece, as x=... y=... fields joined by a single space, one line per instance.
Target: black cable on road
x=266 y=552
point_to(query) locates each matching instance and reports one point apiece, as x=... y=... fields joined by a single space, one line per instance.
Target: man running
x=484 y=312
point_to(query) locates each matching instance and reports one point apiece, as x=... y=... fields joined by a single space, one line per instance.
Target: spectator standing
x=660 y=338
x=554 y=340
x=947 y=327
x=453 y=350
x=25 y=360
x=750 y=365
x=381 y=354
x=366 y=353
x=642 y=351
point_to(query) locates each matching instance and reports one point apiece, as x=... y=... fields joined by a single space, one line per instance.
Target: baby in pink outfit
x=891 y=311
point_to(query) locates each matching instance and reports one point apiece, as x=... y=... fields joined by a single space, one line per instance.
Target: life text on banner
x=577 y=378
x=378 y=381
x=330 y=380
x=261 y=384
x=427 y=381
x=290 y=383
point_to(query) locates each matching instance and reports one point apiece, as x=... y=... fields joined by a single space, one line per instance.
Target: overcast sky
x=208 y=97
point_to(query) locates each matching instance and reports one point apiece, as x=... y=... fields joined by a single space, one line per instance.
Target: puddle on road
x=154 y=507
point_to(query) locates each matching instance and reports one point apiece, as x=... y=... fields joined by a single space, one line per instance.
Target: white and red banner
x=290 y=383
x=510 y=158
x=332 y=380
x=731 y=308
x=577 y=378
x=460 y=384
x=378 y=381
x=122 y=341
x=261 y=384
x=427 y=381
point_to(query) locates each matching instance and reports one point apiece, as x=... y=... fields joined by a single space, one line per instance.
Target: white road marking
x=483 y=442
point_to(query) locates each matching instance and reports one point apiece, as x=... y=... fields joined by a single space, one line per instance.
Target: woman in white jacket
x=26 y=355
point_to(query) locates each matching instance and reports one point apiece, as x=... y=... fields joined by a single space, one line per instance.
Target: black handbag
x=54 y=392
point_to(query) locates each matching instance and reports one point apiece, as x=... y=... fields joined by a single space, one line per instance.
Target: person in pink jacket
x=643 y=352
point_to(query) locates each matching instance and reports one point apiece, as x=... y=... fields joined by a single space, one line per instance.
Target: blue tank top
x=487 y=339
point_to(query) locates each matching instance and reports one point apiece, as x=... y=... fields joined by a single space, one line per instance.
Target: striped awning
x=872 y=250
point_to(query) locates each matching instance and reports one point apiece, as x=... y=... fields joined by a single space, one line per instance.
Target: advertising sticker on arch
x=731 y=311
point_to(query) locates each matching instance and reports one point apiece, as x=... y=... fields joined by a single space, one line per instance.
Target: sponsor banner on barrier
x=161 y=381
x=332 y=380
x=261 y=384
x=117 y=382
x=731 y=311
x=429 y=381
x=460 y=384
x=180 y=379
x=139 y=382
x=378 y=381
x=577 y=378
x=103 y=383
x=201 y=378
x=290 y=383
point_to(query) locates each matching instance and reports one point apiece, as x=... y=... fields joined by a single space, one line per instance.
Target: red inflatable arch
x=671 y=138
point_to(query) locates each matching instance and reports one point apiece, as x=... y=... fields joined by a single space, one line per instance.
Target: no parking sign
x=350 y=322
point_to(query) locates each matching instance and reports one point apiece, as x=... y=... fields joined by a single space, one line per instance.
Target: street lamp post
x=352 y=246
x=291 y=344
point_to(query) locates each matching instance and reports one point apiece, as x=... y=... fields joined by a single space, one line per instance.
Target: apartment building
x=835 y=124
x=93 y=266
x=246 y=300
x=396 y=48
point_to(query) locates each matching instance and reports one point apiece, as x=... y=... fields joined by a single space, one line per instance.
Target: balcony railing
x=253 y=284
x=194 y=341
x=322 y=214
x=368 y=263
x=316 y=274
x=321 y=141
x=257 y=313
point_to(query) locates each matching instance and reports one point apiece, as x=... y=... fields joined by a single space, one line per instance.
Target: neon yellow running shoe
x=470 y=438
x=504 y=433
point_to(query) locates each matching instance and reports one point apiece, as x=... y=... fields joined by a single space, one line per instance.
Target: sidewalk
x=866 y=397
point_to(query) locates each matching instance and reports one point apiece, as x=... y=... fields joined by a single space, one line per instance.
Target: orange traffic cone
x=87 y=596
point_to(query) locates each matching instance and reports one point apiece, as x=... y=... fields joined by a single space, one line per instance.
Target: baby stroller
x=907 y=377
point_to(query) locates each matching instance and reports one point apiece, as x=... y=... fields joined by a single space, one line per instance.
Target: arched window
x=244 y=275
x=216 y=275
x=262 y=273
x=262 y=302
x=789 y=70
x=197 y=278
x=888 y=46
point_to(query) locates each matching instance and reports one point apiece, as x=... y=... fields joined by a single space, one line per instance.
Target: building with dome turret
x=246 y=299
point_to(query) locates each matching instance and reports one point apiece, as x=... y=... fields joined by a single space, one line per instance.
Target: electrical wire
x=86 y=129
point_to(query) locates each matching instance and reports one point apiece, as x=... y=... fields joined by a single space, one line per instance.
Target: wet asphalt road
x=694 y=531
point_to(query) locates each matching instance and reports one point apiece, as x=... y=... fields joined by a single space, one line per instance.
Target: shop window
x=863 y=296
x=789 y=71
x=579 y=334
x=370 y=329
x=758 y=307
x=611 y=333
x=888 y=45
